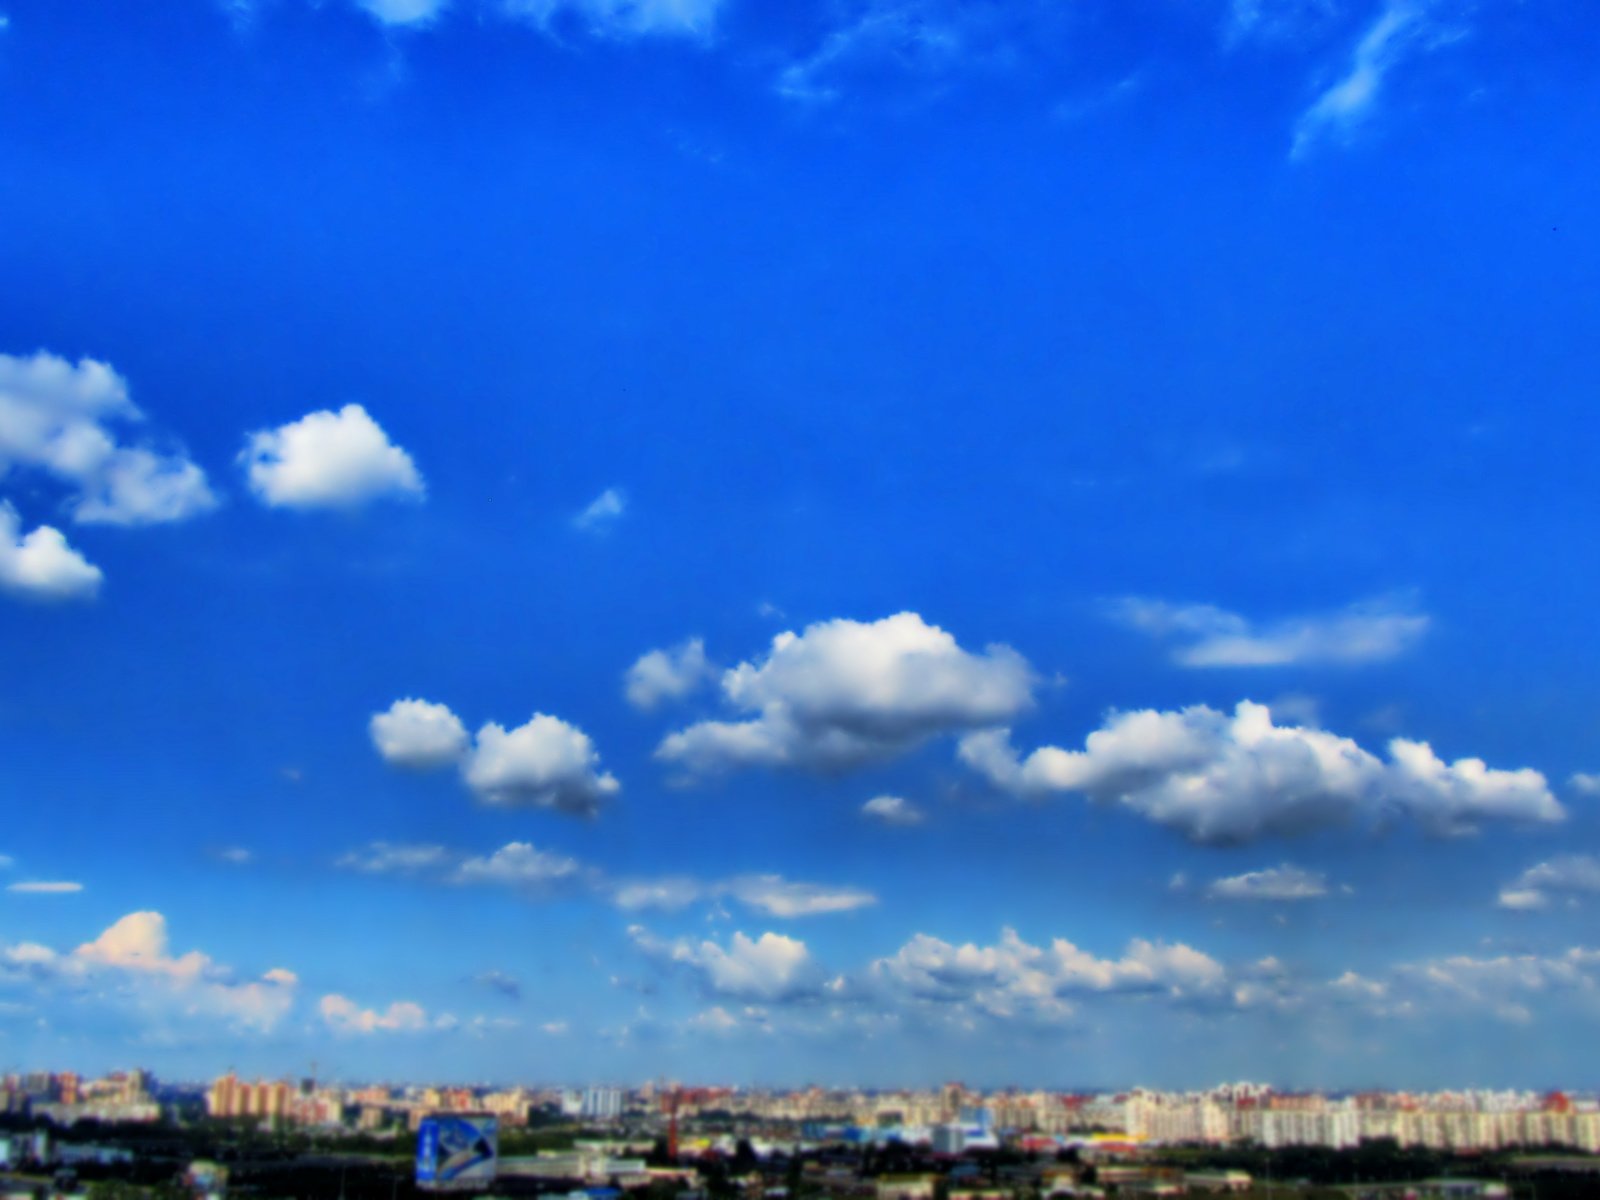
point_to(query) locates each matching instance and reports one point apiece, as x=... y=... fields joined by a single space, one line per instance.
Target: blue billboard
x=456 y=1151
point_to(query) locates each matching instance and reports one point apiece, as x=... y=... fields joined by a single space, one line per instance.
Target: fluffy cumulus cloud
x=670 y=674
x=1566 y=876
x=343 y=1015
x=74 y=422
x=892 y=810
x=328 y=460
x=1206 y=636
x=545 y=763
x=1286 y=882
x=1220 y=778
x=130 y=965
x=1015 y=980
x=418 y=734
x=768 y=968
x=847 y=693
x=40 y=565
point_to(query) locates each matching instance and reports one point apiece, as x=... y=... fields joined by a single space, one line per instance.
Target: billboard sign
x=456 y=1151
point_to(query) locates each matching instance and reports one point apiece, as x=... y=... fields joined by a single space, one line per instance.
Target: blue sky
x=864 y=542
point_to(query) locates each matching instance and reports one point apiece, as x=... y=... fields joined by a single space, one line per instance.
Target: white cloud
x=1565 y=875
x=671 y=893
x=413 y=13
x=1522 y=900
x=64 y=420
x=130 y=965
x=40 y=565
x=779 y=897
x=771 y=895
x=1585 y=783
x=343 y=1015
x=1013 y=979
x=892 y=810
x=555 y=1028
x=1503 y=986
x=715 y=1019
x=1402 y=29
x=1231 y=779
x=418 y=734
x=139 y=942
x=390 y=858
x=517 y=864
x=235 y=856
x=328 y=460
x=771 y=967
x=545 y=763
x=669 y=674
x=623 y=18
x=1373 y=631
x=924 y=42
x=45 y=888
x=1286 y=882
x=603 y=511
x=846 y=693
x=525 y=867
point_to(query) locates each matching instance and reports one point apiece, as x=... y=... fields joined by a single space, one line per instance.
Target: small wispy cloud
x=892 y=810
x=1404 y=28
x=541 y=874
x=892 y=43
x=45 y=888
x=603 y=511
x=1568 y=875
x=1207 y=636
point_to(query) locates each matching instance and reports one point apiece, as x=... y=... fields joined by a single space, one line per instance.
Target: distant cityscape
x=950 y=1119
x=129 y=1136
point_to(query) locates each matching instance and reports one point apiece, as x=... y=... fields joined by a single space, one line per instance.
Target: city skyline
x=894 y=540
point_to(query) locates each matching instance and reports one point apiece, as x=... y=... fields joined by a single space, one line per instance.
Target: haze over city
x=864 y=543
